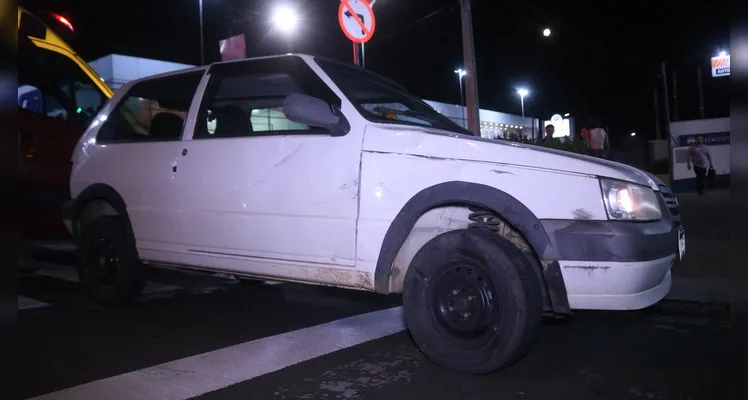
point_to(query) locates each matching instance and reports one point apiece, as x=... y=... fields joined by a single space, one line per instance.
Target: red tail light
x=64 y=21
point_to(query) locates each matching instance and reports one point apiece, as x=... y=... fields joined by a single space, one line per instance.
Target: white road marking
x=207 y=372
x=25 y=303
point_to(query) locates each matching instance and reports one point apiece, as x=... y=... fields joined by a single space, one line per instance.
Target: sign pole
x=357 y=21
x=471 y=79
x=363 y=57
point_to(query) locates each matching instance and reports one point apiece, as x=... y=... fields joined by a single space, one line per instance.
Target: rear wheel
x=108 y=264
x=471 y=301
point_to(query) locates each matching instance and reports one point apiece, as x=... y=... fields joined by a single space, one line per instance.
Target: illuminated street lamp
x=522 y=93
x=546 y=32
x=285 y=19
x=633 y=134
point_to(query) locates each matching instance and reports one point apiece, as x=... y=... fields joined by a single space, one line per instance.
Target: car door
x=254 y=184
x=140 y=146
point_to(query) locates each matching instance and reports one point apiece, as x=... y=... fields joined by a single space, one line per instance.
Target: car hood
x=442 y=144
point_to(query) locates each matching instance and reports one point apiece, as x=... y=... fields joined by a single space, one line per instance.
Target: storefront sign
x=710 y=139
x=720 y=66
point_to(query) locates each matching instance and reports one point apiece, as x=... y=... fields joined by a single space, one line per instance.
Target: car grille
x=672 y=203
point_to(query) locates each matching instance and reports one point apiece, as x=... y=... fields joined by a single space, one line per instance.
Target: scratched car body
x=296 y=168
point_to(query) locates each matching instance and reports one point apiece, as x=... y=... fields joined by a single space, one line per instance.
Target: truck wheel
x=472 y=302
x=108 y=264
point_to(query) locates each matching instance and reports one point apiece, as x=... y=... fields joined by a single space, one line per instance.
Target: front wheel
x=471 y=301
x=108 y=264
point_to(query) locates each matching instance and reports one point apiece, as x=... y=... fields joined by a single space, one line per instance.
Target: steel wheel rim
x=463 y=301
x=103 y=260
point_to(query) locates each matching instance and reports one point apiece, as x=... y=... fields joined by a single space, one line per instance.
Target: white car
x=297 y=168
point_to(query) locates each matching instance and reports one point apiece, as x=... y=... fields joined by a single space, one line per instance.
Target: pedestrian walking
x=698 y=155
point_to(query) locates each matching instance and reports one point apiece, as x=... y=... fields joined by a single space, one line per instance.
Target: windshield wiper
x=436 y=121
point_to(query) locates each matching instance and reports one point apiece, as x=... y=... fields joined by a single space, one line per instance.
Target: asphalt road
x=215 y=338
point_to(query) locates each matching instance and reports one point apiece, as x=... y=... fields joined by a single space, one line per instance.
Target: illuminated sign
x=711 y=139
x=721 y=66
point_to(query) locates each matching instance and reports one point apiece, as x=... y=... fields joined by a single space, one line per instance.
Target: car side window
x=248 y=101
x=152 y=110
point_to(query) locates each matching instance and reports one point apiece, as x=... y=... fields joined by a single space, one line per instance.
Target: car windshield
x=381 y=100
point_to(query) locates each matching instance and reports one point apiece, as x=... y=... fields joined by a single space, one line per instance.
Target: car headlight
x=630 y=202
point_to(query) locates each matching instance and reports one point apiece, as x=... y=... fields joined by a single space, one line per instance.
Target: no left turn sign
x=356 y=18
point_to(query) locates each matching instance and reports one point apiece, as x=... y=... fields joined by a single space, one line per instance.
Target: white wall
x=492 y=123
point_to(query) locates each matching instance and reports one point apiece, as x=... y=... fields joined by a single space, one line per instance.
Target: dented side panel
x=389 y=180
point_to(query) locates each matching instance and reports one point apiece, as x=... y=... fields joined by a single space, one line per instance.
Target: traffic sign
x=356 y=18
x=721 y=66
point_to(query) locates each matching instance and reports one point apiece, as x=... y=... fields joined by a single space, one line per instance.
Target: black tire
x=108 y=264
x=472 y=302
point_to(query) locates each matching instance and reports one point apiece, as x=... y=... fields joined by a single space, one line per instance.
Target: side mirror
x=312 y=111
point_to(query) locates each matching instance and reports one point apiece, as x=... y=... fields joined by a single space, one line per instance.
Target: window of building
x=154 y=109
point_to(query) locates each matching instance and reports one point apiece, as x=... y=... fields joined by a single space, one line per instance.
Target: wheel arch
x=473 y=195
x=100 y=192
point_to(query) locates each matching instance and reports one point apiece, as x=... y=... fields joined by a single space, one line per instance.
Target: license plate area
x=681 y=243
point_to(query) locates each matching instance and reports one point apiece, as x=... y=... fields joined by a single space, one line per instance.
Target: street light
x=633 y=134
x=460 y=73
x=546 y=32
x=522 y=93
x=285 y=19
x=566 y=115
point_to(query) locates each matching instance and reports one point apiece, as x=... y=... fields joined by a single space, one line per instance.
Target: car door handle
x=173 y=168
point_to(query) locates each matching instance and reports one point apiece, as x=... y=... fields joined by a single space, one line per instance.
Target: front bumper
x=614 y=265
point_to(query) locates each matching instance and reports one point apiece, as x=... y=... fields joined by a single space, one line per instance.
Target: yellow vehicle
x=58 y=95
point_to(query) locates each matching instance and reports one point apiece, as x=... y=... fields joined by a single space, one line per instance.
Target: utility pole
x=675 y=95
x=202 y=44
x=663 y=81
x=658 y=132
x=471 y=79
x=700 y=88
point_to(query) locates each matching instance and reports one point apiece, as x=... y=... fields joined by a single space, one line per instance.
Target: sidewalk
x=702 y=276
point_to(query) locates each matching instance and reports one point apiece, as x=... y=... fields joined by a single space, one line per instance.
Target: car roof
x=305 y=57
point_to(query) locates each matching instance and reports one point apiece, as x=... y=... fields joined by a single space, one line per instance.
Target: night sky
x=602 y=58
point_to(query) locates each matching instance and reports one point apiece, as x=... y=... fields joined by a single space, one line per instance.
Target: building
x=118 y=69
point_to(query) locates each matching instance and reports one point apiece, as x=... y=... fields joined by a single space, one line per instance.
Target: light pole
x=460 y=73
x=202 y=44
x=522 y=93
x=468 y=56
x=285 y=19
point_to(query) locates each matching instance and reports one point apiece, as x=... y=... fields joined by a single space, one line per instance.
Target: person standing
x=598 y=139
x=548 y=140
x=698 y=155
